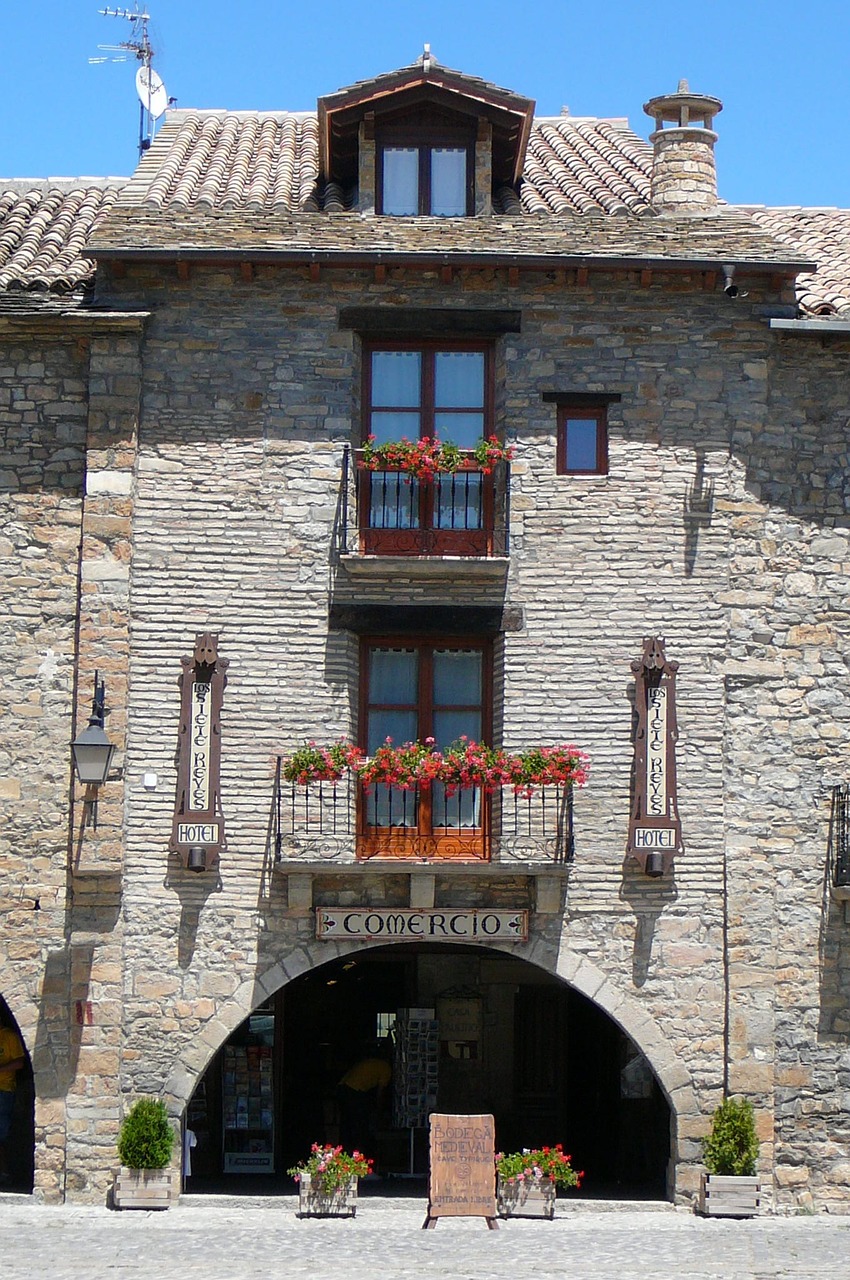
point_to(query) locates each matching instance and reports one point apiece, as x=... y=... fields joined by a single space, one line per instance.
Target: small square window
x=417 y=177
x=582 y=441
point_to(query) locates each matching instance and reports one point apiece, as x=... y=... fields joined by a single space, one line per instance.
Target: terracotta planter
x=313 y=1202
x=142 y=1189
x=729 y=1197
x=526 y=1199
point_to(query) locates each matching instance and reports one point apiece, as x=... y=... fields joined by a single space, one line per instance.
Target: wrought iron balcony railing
x=839 y=837
x=345 y=821
x=458 y=513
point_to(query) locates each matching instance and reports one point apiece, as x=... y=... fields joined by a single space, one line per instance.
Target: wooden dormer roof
x=425 y=81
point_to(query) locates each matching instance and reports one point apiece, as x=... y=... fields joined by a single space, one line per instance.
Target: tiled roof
x=44 y=226
x=241 y=181
x=823 y=236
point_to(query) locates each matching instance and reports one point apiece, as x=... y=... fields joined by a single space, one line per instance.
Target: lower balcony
x=344 y=822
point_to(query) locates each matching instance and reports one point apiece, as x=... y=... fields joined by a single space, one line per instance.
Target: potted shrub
x=730 y=1188
x=144 y=1148
x=327 y=1182
x=527 y=1181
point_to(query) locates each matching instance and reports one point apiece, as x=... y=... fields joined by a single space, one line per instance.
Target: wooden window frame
x=594 y=413
x=426 y=538
x=425 y=840
x=425 y=140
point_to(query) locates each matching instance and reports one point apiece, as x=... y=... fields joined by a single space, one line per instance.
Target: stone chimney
x=684 y=179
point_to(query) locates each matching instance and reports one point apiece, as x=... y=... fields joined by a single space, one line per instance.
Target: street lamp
x=91 y=749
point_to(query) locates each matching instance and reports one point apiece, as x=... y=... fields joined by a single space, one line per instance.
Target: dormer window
x=418 y=176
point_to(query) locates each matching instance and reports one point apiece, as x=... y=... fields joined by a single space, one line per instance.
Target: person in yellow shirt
x=12 y=1059
x=359 y=1093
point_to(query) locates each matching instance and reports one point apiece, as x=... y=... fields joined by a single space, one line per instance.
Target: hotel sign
x=367 y=924
x=198 y=820
x=655 y=832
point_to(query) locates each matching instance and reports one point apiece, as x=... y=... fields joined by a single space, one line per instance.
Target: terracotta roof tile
x=823 y=236
x=44 y=226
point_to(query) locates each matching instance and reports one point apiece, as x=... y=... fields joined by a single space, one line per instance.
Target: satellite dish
x=151 y=91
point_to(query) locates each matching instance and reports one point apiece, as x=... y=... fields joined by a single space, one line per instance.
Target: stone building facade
x=181 y=405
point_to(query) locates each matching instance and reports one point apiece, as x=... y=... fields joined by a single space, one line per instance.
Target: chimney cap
x=683 y=109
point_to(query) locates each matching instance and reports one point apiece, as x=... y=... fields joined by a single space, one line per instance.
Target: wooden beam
x=513 y=276
x=646 y=278
x=581 y=277
x=447 y=275
x=246 y=271
x=380 y=273
x=315 y=272
x=183 y=271
x=709 y=281
x=119 y=269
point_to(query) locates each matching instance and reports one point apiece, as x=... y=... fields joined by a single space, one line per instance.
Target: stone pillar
x=684 y=178
x=484 y=168
x=367 y=171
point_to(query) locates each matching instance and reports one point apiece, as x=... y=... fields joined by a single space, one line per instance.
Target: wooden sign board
x=462 y=1179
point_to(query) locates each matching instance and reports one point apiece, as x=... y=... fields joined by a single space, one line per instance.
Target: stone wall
x=722 y=526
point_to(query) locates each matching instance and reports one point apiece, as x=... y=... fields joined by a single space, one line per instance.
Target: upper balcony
x=453 y=524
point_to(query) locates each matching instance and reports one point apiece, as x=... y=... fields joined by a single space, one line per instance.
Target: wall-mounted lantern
x=655 y=832
x=198 y=829
x=91 y=750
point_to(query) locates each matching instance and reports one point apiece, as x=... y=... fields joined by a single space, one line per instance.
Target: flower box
x=728 y=1196
x=142 y=1189
x=531 y=1198
x=315 y=1202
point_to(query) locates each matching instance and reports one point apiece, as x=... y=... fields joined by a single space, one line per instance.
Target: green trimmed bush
x=732 y=1148
x=146 y=1137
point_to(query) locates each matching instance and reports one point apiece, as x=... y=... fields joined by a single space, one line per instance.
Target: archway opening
x=504 y=1037
x=17 y=1108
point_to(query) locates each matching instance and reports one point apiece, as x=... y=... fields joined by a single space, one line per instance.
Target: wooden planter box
x=729 y=1197
x=526 y=1199
x=315 y=1203
x=142 y=1189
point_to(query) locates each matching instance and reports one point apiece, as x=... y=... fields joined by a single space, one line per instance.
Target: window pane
x=390 y=807
x=463 y=809
x=451 y=725
x=457 y=501
x=457 y=677
x=396 y=378
x=386 y=425
x=463 y=429
x=401 y=180
x=393 y=501
x=393 y=676
x=401 y=726
x=459 y=379
x=580 y=444
x=448 y=182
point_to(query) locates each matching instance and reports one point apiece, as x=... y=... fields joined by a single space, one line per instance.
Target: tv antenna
x=153 y=98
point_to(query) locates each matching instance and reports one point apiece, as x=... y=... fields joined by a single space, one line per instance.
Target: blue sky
x=782 y=70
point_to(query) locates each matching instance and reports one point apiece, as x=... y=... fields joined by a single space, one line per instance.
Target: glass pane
x=448 y=182
x=463 y=809
x=459 y=379
x=451 y=725
x=581 y=444
x=457 y=677
x=393 y=676
x=463 y=429
x=396 y=378
x=401 y=180
x=457 y=501
x=401 y=726
x=393 y=501
x=386 y=425
x=390 y=807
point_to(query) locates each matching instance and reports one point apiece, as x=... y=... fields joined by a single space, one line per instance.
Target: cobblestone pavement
x=255 y=1240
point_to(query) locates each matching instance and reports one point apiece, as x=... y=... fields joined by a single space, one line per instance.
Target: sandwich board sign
x=462 y=1174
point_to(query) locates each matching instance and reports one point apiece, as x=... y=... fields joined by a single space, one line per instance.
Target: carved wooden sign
x=403 y=924
x=198 y=829
x=655 y=832
x=462 y=1177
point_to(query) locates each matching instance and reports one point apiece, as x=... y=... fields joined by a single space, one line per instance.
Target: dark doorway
x=510 y=1039
x=20 y=1144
